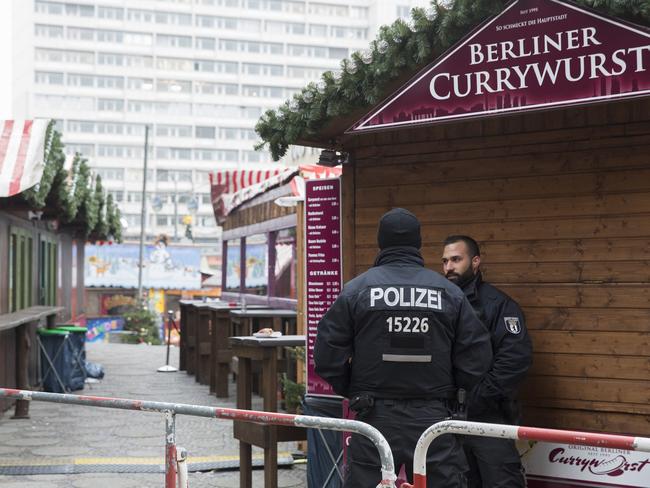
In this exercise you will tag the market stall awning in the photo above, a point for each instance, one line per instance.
(22, 154)
(246, 185)
(232, 188)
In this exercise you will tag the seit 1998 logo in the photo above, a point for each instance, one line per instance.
(597, 461)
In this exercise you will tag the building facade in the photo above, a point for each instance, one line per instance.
(198, 72)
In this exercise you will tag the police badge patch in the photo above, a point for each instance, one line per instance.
(512, 324)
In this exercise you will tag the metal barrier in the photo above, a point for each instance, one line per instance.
(175, 458)
(514, 432)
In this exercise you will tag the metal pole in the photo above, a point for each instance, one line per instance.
(143, 212)
(170, 450)
(270, 418)
(175, 207)
(514, 432)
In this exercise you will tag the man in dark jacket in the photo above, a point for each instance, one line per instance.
(494, 463)
(398, 341)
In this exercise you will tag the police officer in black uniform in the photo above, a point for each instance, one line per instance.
(398, 342)
(494, 463)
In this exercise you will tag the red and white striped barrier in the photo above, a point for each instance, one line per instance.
(514, 432)
(174, 458)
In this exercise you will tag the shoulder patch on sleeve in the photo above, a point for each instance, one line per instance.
(512, 324)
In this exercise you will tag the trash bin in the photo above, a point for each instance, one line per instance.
(56, 353)
(325, 447)
(77, 337)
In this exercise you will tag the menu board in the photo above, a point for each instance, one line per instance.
(323, 271)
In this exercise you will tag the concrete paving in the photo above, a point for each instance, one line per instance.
(57, 432)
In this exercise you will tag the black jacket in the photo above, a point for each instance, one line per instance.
(401, 331)
(511, 347)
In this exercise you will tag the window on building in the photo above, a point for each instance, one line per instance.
(79, 10)
(83, 81)
(174, 130)
(134, 196)
(138, 39)
(83, 126)
(118, 195)
(204, 154)
(203, 132)
(110, 105)
(110, 36)
(110, 59)
(110, 174)
(174, 86)
(48, 31)
(86, 150)
(50, 8)
(48, 78)
(165, 40)
(206, 43)
(318, 30)
(110, 13)
(110, 82)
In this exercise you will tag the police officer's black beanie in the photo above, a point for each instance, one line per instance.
(399, 227)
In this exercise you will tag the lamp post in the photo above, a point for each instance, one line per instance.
(143, 212)
(175, 206)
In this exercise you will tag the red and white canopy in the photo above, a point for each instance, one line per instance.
(22, 154)
(231, 188)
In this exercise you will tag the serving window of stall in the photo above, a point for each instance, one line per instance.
(284, 274)
(269, 263)
(256, 281)
(232, 265)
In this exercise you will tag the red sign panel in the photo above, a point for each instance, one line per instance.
(535, 54)
(322, 264)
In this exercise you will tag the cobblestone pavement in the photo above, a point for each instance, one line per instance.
(57, 431)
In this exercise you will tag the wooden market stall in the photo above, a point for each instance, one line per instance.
(44, 223)
(558, 197)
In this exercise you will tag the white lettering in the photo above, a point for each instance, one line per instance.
(589, 37)
(405, 297)
(432, 87)
(616, 58)
(422, 292)
(567, 69)
(375, 294)
(476, 54)
(391, 302)
(639, 56)
(546, 72)
(597, 65)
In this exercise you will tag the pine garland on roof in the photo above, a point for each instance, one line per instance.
(399, 48)
(69, 196)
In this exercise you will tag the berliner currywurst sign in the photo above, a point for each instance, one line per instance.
(536, 54)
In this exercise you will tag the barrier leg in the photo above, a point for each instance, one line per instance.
(181, 458)
(170, 450)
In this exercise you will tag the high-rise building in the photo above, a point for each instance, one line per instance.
(199, 73)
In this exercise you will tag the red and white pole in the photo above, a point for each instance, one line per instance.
(170, 410)
(514, 432)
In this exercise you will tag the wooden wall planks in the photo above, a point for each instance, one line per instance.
(560, 202)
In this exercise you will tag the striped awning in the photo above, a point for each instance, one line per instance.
(233, 180)
(22, 154)
(232, 188)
